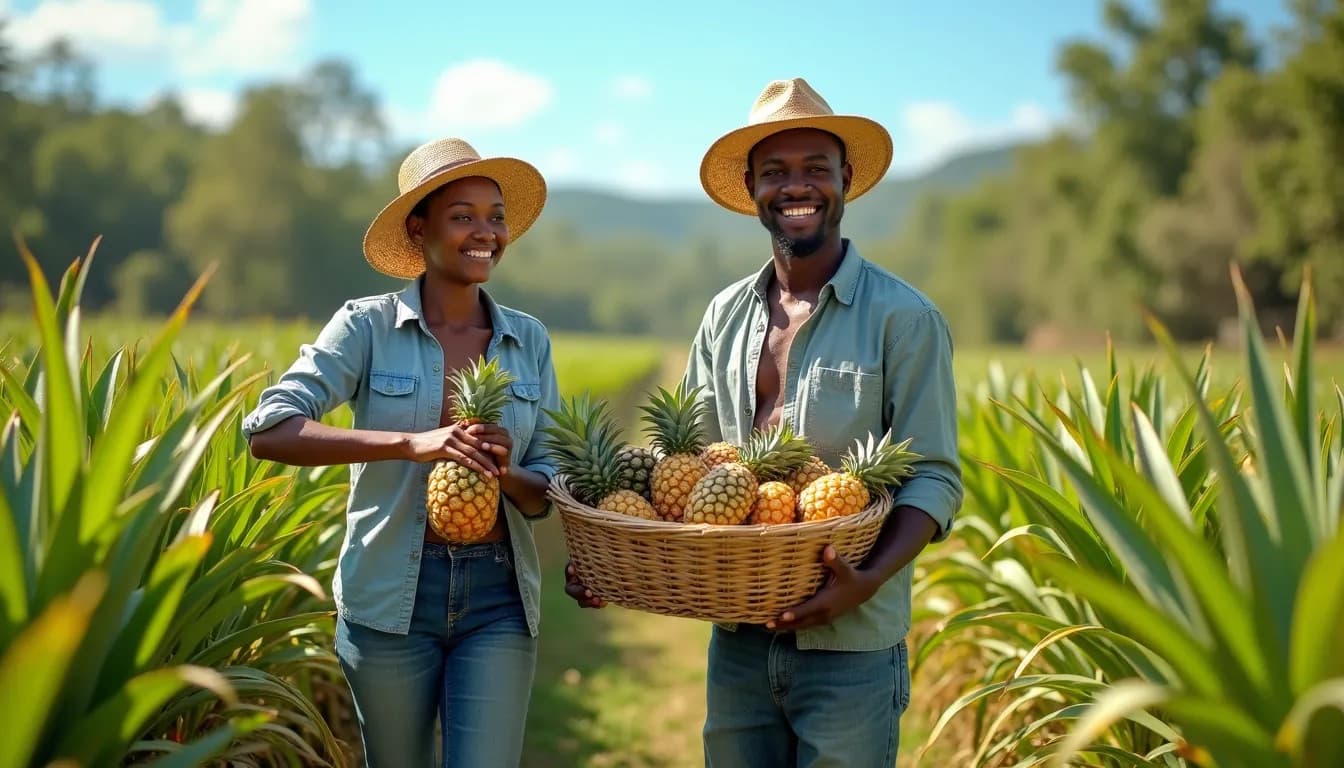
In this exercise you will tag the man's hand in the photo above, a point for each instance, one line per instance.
(575, 589)
(847, 589)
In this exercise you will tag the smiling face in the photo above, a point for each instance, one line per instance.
(460, 230)
(798, 179)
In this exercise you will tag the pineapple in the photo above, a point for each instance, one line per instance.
(634, 469)
(776, 503)
(729, 492)
(675, 430)
(865, 469)
(719, 453)
(462, 504)
(585, 442)
(803, 476)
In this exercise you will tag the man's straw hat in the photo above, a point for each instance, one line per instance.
(783, 105)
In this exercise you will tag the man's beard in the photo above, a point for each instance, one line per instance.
(802, 247)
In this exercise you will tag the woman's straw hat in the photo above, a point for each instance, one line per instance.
(387, 246)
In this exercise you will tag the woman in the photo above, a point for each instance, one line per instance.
(427, 626)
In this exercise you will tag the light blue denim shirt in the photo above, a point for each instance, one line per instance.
(875, 355)
(377, 354)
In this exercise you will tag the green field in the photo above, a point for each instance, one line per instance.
(621, 688)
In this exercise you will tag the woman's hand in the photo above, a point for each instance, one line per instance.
(482, 448)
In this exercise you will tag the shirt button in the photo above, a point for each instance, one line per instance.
(419, 518)
(746, 411)
(436, 367)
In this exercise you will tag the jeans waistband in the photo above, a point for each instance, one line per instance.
(439, 551)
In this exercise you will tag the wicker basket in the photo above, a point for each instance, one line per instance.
(726, 573)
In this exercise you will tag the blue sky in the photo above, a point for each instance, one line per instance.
(623, 95)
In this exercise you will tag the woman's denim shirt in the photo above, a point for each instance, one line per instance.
(377, 354)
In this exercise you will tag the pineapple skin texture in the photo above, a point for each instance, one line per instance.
(775, 504)
(627, 502)
(462, 505)
(832, 495)
(719, 453)
(723, 497)
(805, 475)
(673, 480)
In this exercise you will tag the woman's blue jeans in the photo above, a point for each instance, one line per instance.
(468, 658)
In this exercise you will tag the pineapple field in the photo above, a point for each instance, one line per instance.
(1146, 571)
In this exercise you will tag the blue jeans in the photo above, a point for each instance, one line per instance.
(468, 658)
(771, 704)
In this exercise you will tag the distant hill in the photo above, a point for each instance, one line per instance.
(878, 214)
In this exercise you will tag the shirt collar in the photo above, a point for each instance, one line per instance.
(409, 309)
(844, 283)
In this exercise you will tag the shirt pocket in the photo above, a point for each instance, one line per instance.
(526, 406)
(392, 400)
(842, 405)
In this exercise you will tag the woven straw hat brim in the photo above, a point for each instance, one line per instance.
(389, 249)
(868, 149)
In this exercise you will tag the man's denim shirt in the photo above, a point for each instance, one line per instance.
(875, 355)
(377, 354)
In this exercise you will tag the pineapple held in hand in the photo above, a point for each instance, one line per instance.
(865, 469)
(462, 504)
(674, 427)
(585, 441)
(730, 491)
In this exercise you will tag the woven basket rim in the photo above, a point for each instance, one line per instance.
(878, 504)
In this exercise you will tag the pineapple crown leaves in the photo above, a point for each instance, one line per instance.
(481, 390)
(775, 452)
(584, 439)
(675, 420)
(878, 463)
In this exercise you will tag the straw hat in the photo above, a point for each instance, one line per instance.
(430, 166)
(783, 105)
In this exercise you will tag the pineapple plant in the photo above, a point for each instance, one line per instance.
(720, 452)
(803, 476)
(674, 428)
(866, 468)
(461, 503)
(585, 443)
(634, 469)
(729, 492)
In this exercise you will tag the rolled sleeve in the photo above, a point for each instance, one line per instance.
(922, 405)
(326, 374)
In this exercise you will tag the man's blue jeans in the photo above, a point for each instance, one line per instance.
(469, 659)
(770, 704)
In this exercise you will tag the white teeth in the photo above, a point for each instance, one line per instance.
(480, 254)
(793, 212)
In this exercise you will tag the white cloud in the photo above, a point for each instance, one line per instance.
(609, 132)
(211, 107)
(483, 95)
(224, 36)
(631, 87)
(557, 163)
(935, 130)
(244, 36)
(106, 29)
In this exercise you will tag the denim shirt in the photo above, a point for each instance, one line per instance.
(377, 354)
(875, 355)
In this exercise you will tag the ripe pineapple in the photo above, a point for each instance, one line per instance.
(729, 492)
(803, 476)
(634, 469)
(585, 442)
(865, 469)
(675, 430)
(719, 453)
(776, 503)
(462, 504)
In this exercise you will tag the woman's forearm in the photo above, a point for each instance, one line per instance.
(526, 489)
(300, 441)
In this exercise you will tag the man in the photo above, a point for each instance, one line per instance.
(837, 347)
